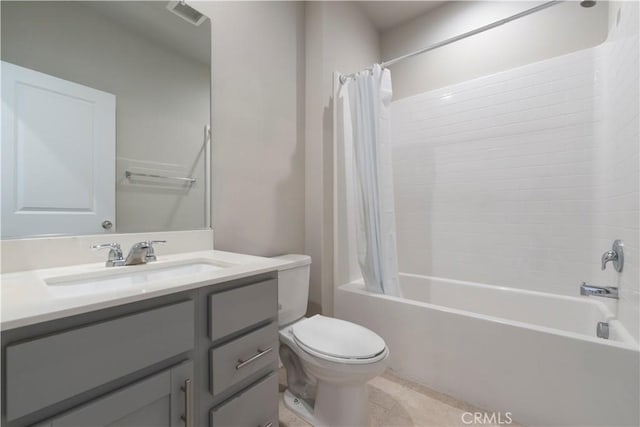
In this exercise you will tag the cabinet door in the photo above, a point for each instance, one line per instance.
(163, 399)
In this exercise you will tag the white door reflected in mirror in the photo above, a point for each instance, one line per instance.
(58, 155)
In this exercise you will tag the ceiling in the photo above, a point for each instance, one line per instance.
(388, 14)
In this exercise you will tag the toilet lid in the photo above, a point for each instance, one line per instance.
(338, 338)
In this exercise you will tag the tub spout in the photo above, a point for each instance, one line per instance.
(599, 291)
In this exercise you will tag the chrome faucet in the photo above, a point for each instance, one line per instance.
(599, 291)
(608, 256)
(115, 254)
(615, 255)
(142, 252)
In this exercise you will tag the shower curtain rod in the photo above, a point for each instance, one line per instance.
(345, 77)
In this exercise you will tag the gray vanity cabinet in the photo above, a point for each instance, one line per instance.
(48, 369)
(204, 357)
(161, 400)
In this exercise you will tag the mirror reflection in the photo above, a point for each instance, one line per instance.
(105, 117)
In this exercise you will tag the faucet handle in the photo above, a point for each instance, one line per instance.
(151, 255)
(115, 253)
(615, 255)
(608, 256)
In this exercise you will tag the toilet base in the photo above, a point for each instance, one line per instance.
(299, 407)
(336, 405)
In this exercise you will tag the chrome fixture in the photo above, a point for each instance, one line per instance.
(258, 355)
(602, 330)
(187, 179)
(345, 77)
(599, 291)
(587, 3)
(142, 252)
(615, 255)
(115, 254)
(187, 417)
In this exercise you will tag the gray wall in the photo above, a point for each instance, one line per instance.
(258, 126)
(272, 157)
(339, 37)
(162, 99)
(555, 31)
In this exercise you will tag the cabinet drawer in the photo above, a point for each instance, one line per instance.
(238, 308)
(243, 357)
(47, 370)
(256, 406)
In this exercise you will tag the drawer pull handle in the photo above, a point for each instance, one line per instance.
(258, 355)
(187, 388)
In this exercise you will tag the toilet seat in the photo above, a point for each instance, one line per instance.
(338, 340)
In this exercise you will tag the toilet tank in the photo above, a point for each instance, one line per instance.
(293, 287)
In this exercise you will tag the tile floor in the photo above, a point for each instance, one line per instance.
(395, 402)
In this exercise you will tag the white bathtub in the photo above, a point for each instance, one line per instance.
(532, 354)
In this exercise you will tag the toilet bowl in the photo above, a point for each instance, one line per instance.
(337, 358)
(328, 361)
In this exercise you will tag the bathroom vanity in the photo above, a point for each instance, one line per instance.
(112, 145)
(200, 350)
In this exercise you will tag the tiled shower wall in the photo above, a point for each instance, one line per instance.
(495, 177)
(524, 178)
(618, 160)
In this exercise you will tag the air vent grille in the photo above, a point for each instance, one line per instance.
(186, 12)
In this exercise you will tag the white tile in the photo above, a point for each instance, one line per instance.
(523, 178)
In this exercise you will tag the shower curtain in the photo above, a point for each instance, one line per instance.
(367, 110)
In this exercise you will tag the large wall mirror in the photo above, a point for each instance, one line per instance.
(105, 113)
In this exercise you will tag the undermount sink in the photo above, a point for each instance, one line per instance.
(120, 278)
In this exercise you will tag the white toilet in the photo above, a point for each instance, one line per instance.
(328, 361)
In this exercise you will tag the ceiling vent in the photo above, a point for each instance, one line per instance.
(186, 12)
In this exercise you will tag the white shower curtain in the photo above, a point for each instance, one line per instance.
(368, 108)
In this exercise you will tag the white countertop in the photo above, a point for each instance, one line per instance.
(26, 299)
